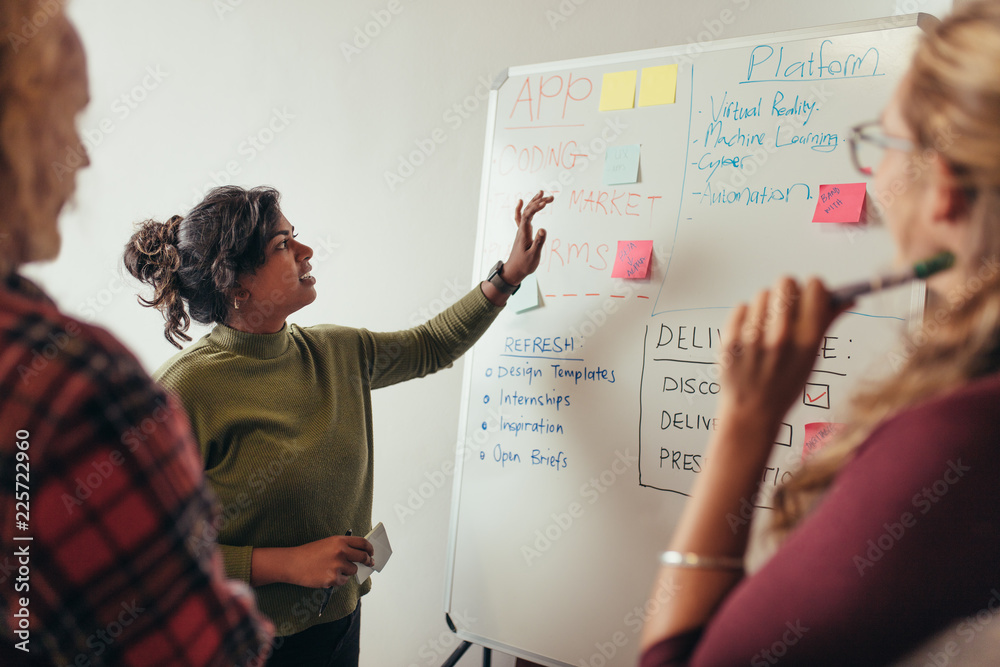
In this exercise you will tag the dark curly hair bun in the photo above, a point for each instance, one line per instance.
(152, 257)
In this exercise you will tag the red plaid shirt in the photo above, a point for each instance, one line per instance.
(106, 549)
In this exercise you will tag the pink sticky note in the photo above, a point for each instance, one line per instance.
(632, 260)
(817, 435)
(844, 202)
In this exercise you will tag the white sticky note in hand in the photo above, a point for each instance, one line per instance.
(380, 543)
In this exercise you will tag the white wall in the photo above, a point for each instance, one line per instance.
(224, 68)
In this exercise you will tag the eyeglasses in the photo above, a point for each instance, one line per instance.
(869, 141)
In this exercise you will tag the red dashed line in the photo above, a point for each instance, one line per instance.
(613, 296)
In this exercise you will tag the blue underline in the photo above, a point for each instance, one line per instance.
(825, 78)
(528, 356)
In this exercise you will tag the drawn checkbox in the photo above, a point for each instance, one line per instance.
(816, 395)
(784, 435)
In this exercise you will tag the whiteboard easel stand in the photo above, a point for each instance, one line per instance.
(460, 651)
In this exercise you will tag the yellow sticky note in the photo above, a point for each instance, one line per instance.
(658, 86)
(618, 91)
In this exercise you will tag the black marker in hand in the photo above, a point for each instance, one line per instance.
(329, 591)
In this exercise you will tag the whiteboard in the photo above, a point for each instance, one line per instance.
(584, 421)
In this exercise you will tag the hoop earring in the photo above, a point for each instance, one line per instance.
(236, 304)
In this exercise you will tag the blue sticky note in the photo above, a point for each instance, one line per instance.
(526, 297)
(621, 165)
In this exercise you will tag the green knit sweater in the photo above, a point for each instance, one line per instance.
(284, 422)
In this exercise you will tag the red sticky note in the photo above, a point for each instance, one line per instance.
(632, 260)
(844, 202)
(817, 435)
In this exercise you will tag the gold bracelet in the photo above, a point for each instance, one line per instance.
(689, 559)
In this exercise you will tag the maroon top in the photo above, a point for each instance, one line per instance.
(906, 542)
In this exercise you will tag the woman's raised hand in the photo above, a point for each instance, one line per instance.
(526, 251)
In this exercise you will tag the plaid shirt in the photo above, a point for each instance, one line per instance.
(107, 552)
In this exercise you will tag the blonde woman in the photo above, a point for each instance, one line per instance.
(891, 533)
(103, 559)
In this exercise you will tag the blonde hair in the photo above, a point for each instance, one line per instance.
(36, 41)
(951, 103)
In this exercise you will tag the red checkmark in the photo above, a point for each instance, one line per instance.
(813, 400)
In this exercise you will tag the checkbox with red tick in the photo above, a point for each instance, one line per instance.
(816, 395)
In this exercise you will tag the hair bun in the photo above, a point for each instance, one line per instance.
(151, 254)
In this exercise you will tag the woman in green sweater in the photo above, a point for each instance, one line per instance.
(283, 413)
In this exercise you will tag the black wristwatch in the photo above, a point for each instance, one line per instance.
(496, 279)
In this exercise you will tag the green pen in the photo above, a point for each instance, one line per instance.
(920, 270)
